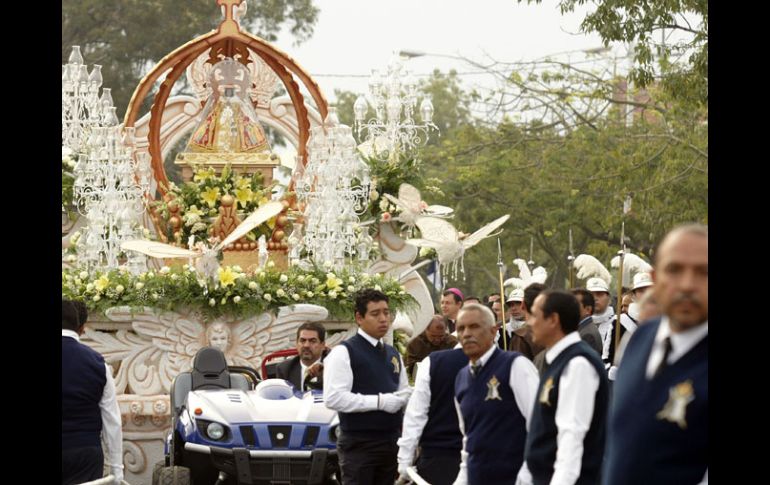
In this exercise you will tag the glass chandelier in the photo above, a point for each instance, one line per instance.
(334, 189)
(394, 99)
(82, 108)
(111, 183)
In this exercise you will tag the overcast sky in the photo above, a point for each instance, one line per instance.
(352, 37)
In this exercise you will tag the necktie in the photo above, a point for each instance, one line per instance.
(475, 369)
(666, 351)
(381, 348)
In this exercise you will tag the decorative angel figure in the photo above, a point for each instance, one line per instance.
(164, 343)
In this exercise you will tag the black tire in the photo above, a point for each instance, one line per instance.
(174, 475)
(156, 471)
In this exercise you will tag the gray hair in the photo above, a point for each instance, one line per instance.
(487, 317)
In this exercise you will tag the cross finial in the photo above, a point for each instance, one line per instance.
(229, 6)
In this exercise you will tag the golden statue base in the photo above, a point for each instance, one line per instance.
(240, 163)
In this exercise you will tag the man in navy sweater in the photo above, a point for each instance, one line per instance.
(494, 397)
(658, 427)
(565, 443)
(365, 382)
(430, 420)
(89, 406)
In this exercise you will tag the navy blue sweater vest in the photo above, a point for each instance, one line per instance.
(541, 440)
(658, 429)
(373, 373)
(441, 434)
(495, 428)
(82, 385)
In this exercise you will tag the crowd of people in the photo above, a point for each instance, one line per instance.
(545, 387)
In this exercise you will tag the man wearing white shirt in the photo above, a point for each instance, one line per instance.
(430, 420)
(658, 428)
(89, 406)
(365, 382)
(565, 443)
(305, 370)
(494, 397)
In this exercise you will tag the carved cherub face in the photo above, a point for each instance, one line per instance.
(218, 336)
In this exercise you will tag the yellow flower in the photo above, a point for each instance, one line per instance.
(193, 209)
(243, 195)
(210, 196)
(333, 282)
(227, 276)
(102, 283)
(203, 174)
(242, 183)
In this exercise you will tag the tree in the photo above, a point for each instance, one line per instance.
(128, 38)
(638, 22)
(576, 180)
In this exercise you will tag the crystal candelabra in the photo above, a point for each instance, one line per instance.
(394, 99)
(111, 183)
(334, 189)
(82, 108)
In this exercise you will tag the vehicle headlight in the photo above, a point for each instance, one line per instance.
(215, 431)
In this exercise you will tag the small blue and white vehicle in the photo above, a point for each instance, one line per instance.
(225, 432)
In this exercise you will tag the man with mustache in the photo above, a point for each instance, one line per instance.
(658, 427)
(494, 396)
(305, 370)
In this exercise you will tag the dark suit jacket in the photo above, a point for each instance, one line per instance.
(290, 370)
(590, 333)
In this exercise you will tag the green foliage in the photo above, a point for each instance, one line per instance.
(387, 176)
(234, 294)
(640, 22)
(554, 182)
(127, 37)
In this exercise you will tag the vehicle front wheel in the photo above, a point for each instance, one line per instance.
(174, 475)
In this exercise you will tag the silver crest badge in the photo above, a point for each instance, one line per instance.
(396, 367)
(492, 392)
(546, 391)
(675, 408)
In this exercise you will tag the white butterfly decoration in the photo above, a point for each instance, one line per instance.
(206, 258)
(444, 238)
(526, 277)
(412, 206)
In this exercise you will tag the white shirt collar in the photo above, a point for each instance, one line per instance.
(304, 367)
(681, 342)
(71, 334)
(484, 358)
(368, 337)
(558, 347)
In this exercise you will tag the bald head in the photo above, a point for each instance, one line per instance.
(681, 276)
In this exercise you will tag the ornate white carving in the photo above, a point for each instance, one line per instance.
(134, 458)
(395, 259)
(198, 76)
(164, 343)
(264, 82)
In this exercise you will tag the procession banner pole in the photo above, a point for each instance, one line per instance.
(500, 270)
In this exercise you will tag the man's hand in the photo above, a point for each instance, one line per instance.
(117, 472)
(390, 403)
(404, 393)
(315, 370)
